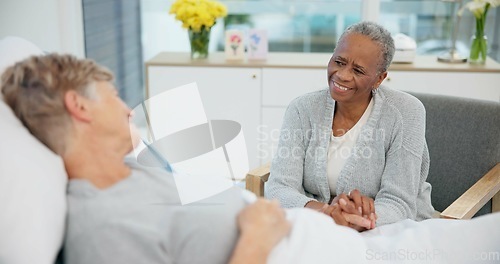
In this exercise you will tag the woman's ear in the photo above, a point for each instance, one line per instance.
(381, 78)
(77, 106)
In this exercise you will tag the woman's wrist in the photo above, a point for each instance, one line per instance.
(250, 250)
(315, 205)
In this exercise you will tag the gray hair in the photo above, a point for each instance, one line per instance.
(35, 89)
(377, 34)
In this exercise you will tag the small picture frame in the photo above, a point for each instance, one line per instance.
(234, 48)
(257, 44)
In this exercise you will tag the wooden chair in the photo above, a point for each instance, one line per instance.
(463, 136)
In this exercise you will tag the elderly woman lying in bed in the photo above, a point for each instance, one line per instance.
(122, 212)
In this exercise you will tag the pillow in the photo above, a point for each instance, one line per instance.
(32, 182)
(14, 49)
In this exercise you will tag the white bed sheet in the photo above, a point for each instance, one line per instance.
(316, 239)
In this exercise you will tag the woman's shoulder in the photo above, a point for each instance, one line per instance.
(402, 102)
(311, 100)
(405, 115)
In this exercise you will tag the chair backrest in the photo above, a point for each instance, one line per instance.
(463, 136)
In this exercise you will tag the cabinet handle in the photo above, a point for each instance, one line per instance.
(254, 76)
(388, 79)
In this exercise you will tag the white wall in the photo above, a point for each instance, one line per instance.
(53, 25)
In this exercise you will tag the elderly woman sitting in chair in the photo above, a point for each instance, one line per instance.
(357, 145)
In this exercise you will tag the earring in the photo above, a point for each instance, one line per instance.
(374, 91)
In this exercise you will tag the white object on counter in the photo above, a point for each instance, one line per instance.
(405, 49)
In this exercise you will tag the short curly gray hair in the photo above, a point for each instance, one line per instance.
(377, 34)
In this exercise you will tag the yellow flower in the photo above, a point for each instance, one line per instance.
(197, 14)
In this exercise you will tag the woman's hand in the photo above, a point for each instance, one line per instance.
(348, 216)
(353, 210)
(262, 225)
(353, 221)
(355, 204)
(363, 204)
(265, 222)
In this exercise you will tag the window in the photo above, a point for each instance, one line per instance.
(112, 38)
(431, 22)
(299, 26)
(315, 26)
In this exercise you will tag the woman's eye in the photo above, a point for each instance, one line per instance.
(358, 71)
(339, 63)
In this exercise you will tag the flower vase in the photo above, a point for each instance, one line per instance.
(199, 43)
(479, 45)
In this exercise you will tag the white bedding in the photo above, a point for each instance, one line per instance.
(316, 239)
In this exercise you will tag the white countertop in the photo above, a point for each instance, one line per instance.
(313, 61)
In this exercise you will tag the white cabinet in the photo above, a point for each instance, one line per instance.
(227, 93)
(269, 132)
(484, 86)
(281, 85)
(256, 93)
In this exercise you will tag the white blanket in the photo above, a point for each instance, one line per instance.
(316, 239)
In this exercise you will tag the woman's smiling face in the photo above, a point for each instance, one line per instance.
(354, 69)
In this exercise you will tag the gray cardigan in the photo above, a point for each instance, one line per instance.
(389, 161)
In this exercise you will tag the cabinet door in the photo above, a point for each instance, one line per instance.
(269, 132)
(227, 93)
(484, 86)
(280, 86)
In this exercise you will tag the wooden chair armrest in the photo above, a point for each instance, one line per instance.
(256, 178)
(476, 197)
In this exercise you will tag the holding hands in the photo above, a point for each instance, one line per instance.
(353, 210)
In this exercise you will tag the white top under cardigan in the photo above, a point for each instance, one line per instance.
(390, 161)
(341, 147)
